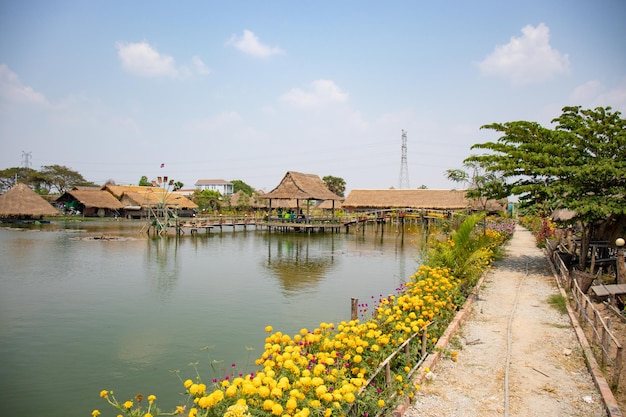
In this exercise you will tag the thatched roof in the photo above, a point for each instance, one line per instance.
(563, 215)
(93, 198)
(136, 195)
(298, 186)
(119, 190)
(21, 201)
(415, 199)
(256, 200)
(328, 204)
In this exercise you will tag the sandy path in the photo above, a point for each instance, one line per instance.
(547, 375)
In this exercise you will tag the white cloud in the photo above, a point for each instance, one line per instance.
(322, 92)
(12, 89)
(249, 44)
(142, 59)
(200, 66)
(527, 59)
(593, 94)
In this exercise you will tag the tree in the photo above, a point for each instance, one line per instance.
(207, 199)
(240, 185)
(143, 182)
(61, 178)
(335, 184)
(11, 176)
(580, 166)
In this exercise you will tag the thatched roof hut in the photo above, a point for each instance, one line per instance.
(22, 202)
(91, 201)
(452, 200)
(298, 186)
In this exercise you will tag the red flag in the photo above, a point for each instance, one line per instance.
(162, 165)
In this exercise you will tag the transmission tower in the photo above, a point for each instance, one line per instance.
(26, 159)
(404, 169)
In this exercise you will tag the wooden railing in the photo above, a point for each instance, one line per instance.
(603, 340)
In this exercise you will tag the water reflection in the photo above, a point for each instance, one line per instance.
(163, 265)
(297, 262)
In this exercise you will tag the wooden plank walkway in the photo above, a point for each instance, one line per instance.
(608, 290)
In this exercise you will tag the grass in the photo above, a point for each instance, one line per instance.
(558, 302)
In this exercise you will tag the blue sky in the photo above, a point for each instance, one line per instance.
(249, 90)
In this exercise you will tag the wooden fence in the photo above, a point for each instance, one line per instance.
(604, 342)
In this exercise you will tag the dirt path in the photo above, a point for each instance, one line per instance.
(547, 375)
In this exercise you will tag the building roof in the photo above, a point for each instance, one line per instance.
(212, 182)
(94, 198)
(414, 199)
(148, 196)
(22, 201)
(296, 185)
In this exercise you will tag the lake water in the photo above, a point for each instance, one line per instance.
(79, 314)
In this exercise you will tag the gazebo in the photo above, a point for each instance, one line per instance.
(20, 203)
(302, 187)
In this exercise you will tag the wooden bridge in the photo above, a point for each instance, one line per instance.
(311, 224)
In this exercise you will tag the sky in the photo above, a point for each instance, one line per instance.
(249, 90)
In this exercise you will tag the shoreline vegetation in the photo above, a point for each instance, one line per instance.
(353, 367)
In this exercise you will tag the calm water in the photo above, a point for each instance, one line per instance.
(78, 315)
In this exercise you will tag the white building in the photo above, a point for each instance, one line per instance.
(224, 187)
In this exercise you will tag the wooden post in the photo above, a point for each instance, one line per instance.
(605, 341)
(424, 342)
(618, 368)
(388, 374)
(354, 311)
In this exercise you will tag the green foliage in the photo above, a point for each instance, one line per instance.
(240, 185)
(580, 166)
(143, 182)
(207, 200)
(558, 302)
(335, 184)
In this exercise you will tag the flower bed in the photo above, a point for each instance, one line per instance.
(334, 369)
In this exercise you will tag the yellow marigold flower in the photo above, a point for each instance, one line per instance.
(381, 403)
(277, 409)
(147, 415)
(95, 413)
(128, 405)
(179, 409)
(187, 383)
(151, 398)
(104, 393)
(269, 329)
(268, 404)
(291, 404)
(357, 359)
(193, 412)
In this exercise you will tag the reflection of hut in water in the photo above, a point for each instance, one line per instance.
(22, 203)
(296, 267)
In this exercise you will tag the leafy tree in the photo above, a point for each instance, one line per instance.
(207, 200)
(580, 166)
(61, 178)
(11, 176)
(422, 187)
(335, 184)
(143, 182)
(178, 185)
(240, 185)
